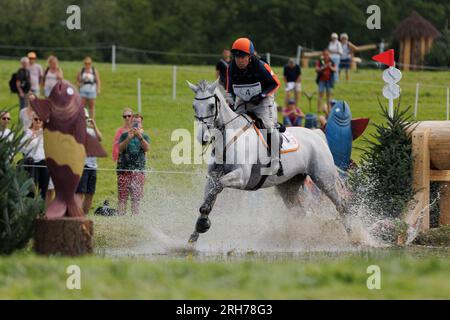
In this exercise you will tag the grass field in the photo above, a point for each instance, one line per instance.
(405, 274)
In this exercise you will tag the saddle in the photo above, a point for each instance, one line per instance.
(288, 143)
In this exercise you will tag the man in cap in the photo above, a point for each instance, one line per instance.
(335, 49)
(252, 84)
(36, 73)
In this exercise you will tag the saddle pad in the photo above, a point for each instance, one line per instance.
(290, 144)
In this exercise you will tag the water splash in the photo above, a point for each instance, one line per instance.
(242, 221)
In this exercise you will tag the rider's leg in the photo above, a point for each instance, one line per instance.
(267, 112)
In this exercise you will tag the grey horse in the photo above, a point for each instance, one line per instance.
(237, 160)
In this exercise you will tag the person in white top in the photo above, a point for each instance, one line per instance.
(335, 49)
(88, 80)
(36, 73)
(347, 54)
(26, 116)
(34, 155)
(52, 74)
(5, 132)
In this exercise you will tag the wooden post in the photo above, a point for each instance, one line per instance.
(305, 62)
(444, 205)
(63, 236)
(406, 54)
(422, 51)
(421, 179)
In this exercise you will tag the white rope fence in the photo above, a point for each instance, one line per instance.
(150, 171)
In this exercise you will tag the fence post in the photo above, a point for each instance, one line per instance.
(299, 54)
(448, 102)
(268, 58)
(113, 58)
(174, 83)
(139, 95)
(416, 102)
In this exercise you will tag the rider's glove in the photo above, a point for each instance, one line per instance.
(257, 99)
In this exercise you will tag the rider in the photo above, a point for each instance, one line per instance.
(251, 85)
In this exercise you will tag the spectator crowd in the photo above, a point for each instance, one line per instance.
(129, 148)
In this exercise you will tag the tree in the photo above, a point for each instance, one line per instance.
(18, 210)
(439, 54)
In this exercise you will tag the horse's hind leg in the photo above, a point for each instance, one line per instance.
(290, 189)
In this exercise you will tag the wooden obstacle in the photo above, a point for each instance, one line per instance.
(63, 236)
(431, 162)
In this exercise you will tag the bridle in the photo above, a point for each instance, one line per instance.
(217, 105)
(216, 111)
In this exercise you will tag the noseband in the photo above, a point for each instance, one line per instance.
(216, 111)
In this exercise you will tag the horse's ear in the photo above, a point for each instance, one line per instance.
(192, 86)
(213, 85)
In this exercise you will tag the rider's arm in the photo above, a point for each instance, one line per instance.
(271, 78)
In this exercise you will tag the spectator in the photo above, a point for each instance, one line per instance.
(325, 68)
(36, 74)
(88, 181)
(222, 66)
(88, 80)
(335, 49)
(292, 79)
(127, 115)
(35, 155)
(26, 116)
(132, 145)
(347, 54)
(292, 115)
(5, 118)
(52, 74)
(23, 82)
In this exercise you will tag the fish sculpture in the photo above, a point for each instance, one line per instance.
(341, 130)
(66, 145)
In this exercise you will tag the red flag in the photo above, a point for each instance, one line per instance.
(386, 57)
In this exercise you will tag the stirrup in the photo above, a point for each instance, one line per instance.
(280, 172)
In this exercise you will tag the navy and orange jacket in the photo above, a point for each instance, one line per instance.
(256, 71)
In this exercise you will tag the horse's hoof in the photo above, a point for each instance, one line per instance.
(203, 224)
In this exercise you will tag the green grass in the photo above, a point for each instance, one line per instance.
(25, 275)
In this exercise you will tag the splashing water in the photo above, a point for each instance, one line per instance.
(242, 221)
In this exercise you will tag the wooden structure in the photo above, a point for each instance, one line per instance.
(416, 36)
(63, 236)
(431, 162)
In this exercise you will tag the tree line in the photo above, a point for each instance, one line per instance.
(207, 26)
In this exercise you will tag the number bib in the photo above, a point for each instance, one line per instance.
(247, 91)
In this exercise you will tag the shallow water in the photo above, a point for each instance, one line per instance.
(246, 226)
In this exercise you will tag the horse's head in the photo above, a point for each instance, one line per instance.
(206, 108)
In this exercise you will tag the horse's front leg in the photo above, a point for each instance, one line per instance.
(214, 186)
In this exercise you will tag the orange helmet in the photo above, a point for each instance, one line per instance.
(243, 46)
